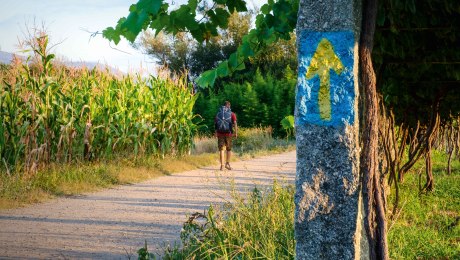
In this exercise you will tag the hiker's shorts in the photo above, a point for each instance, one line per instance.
(224, 141)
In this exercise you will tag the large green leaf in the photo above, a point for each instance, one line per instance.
(287, 122)
(265, 9)
(246, 49)
(238, 5)
(112, 34)
(149, 6)
(134, 25)
(222, 70)
(207, 78)
(219, 17)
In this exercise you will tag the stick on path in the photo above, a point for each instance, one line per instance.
(115, 223)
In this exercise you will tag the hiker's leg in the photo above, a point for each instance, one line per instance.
(221, 146)
(221, 155)
(229, 152)
(229, 156)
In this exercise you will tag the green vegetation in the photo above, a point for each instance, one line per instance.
(49, 117)
(276, 21)
(59, 179)
(66, 131)
(260, 101)
(77, 178)
(428, 224)
(249, 140)
(56, 114)
(260, 224)
(262, 93)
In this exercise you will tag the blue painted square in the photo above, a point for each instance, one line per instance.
(342, 88)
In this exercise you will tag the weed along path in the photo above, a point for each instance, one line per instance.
(115, 223)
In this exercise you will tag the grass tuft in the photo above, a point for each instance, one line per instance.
(252, 226)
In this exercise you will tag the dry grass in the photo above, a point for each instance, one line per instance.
(137, 174)
(69, 180)
(78, 178)
(32, 197)
(204, 144)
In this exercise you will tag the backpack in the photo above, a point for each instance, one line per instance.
(224, 120)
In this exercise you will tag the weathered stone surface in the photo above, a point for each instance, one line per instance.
(329, 15)
(327, 193)
(328, 219)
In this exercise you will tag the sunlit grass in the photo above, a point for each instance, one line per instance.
(428, 225)
(248, 227)
(77, 178)
(254, 225)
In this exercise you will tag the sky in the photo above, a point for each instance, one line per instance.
(69, 24)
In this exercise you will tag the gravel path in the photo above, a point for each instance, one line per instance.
(114, 223)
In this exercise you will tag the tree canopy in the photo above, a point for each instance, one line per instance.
(416, 52)
(276, 21)
(417, 58)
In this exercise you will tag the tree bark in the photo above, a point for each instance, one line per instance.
(450, 147)
(449, 162)
(375, 224)
(429, 185)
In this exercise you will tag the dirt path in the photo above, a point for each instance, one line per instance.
(114, 223)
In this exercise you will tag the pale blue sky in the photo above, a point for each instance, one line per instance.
(66, 22)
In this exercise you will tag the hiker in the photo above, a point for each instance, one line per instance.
(226, 127)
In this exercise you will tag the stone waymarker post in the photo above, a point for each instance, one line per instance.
(329, 211)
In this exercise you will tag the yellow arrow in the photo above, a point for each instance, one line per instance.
(321, 63)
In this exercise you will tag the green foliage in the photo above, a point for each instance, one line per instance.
(61, 115)
(249, 140)
(144, 254)
(276, 22)
(428, 225)
(288, 125)
(260, 225)
(154, 14)
(416, 56)
(270, 27)
(260, 101)
(80, 177)
(181, 52)
(255, 223)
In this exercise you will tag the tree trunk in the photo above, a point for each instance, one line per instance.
(429, 185)
(449, 162)
(450, 144)
(375, 224)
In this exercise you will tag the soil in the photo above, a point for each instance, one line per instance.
(115, 223)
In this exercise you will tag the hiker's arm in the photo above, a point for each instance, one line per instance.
(236, 129)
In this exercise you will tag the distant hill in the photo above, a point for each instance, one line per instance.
(6, 57)
(92, 65)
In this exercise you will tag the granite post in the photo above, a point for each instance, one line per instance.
(329, 208)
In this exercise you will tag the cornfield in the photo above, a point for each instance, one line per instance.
(56, 114)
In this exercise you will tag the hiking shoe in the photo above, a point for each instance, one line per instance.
(227, 165)
(221, 167)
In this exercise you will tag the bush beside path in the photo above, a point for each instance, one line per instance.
(115, 223)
